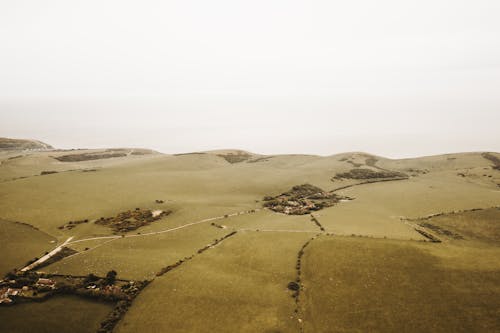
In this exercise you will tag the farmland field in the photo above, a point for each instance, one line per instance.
(380, 285)
(59, 314)
(417, 251)
(243, 280)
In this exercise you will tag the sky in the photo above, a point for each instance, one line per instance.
(389, 77)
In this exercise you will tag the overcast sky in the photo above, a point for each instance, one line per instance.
(391, 77)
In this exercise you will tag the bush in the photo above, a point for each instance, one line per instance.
(111, 277)
(293, 286)
(369, 174)
(91, 278)
(47, 172)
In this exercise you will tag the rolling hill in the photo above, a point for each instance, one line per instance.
(353, 242)
(22, 144)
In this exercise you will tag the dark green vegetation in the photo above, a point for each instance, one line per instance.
(37, 286)
(72, 224)
(223, 262)
(25, 287)
(260, 159)
(440, 230)
(132, 219)
(87, 157)
(43, 173)
(494, 159)
(193, 153)
(65, 252)
(301, 199)
(237, 157)
(475, 224)
(124, 221)
(369, 174)
(99, 155)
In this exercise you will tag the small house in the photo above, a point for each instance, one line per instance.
(45, 282)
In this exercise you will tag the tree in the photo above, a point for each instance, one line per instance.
(91, 278)
(293, 286)
(11, 275)
(111, 277)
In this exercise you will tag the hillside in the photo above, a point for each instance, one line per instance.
(22, 144)
(15, 164)
(232, 241)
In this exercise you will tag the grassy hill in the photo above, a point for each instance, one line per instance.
(22, 144)
(391, 245)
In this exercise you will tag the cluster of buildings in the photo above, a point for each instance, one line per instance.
(8, 293)
(43, 282)
(292, 207)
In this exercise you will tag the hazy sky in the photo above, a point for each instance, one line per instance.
(390, 77)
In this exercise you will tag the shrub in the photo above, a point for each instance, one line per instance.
(111, 277)
(369, 174)
(293, 286)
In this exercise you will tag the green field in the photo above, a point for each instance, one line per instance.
(138, 258)
(369, 270)
(59, 314)
(240, 285)
(377, 285)
(20, 243)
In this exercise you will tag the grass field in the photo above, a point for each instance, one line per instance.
(240, 285)
(59, 314)
(266, 220)
(378, 207)
(138, 258)
(379, 285)
(20, 243)
(390, 279)
(478, 225)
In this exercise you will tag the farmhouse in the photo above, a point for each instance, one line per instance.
(45, 282)
(7, 293)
